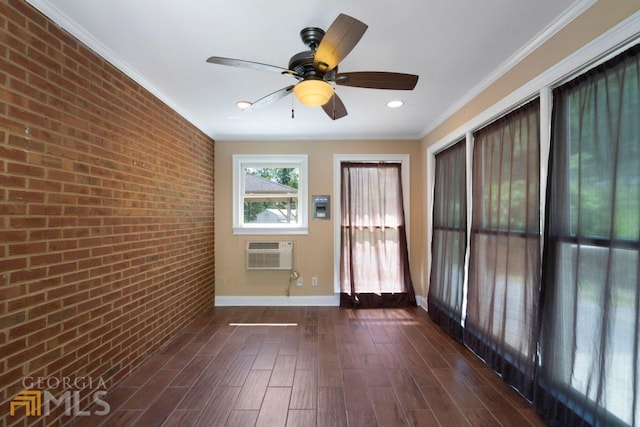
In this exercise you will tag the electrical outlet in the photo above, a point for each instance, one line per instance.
(314, 281)
(299, 281)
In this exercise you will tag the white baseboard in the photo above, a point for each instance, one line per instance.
(422, 302)
(314, 300)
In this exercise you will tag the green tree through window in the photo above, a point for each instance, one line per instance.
(273, 194)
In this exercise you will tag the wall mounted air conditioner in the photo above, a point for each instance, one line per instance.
(270, 255)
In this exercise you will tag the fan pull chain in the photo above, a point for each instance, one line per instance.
(293, 116)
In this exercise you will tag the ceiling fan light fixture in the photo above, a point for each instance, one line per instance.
(313, 92)
(243, 105)
(395, 104)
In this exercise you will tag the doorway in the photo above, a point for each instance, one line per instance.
(373, 259)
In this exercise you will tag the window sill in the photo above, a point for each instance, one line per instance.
(262, 231)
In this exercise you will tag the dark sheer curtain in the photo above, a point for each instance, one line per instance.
(449, 240)
(589, 352)
(374, 257)
(504, 268)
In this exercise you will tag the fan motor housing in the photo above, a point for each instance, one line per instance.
(302, 63)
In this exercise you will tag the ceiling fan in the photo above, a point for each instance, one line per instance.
(317, 67)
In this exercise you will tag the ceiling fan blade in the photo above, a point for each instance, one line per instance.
(341, 37)
(377, 80)
(335, 109)
(270, 98)
(249, 64)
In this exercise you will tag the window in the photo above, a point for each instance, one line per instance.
(585, 333)
(270, 194)
(449, 242)
(591, 272)
(504, 264)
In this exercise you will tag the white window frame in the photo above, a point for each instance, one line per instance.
(242, 161)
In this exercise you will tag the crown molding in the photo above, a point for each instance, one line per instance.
(549, 31)
(619, 38)
(52, 12)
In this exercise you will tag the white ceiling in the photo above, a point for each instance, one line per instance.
(457, 47)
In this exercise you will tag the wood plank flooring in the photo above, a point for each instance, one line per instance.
(335, 367)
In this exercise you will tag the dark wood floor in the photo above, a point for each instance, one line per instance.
(336, 367)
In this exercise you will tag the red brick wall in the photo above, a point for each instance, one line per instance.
(106, 213)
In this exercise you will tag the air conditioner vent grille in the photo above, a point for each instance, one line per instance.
(269, 255)
(263, 261)
(264, 245)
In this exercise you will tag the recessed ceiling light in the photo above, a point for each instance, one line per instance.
(395, 104)
(243, 105)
